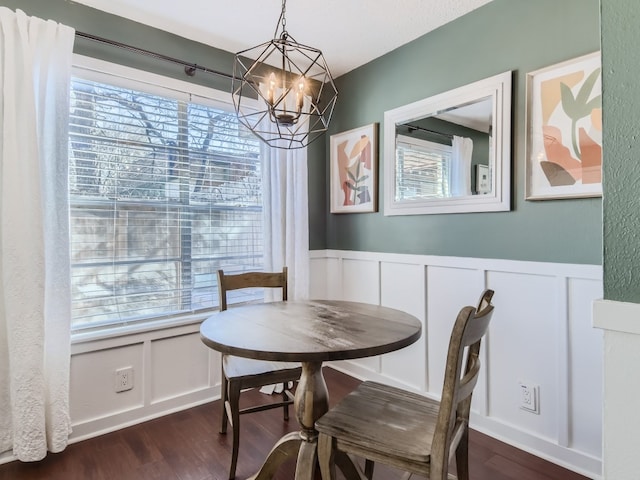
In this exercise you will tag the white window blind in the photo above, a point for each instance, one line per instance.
(163, 193)
(422, 169)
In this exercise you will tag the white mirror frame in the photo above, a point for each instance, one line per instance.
(498, 88)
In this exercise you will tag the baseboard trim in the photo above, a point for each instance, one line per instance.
(540, 447)
(111, 423)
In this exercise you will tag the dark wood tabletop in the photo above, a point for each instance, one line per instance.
(311, 331)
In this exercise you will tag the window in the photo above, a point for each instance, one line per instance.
(165, 189)
(422, 169)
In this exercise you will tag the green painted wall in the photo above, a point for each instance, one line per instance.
(520, 35)
(621, 143)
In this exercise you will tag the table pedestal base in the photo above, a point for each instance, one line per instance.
(291, 445)
(311, 402)
(286, 447)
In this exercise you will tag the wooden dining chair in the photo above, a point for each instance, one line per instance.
(405, 430)
(243, 373)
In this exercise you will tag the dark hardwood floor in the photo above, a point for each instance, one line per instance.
(186, 446)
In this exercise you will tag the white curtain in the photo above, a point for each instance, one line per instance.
(35, 68)
(286, 216)
(462, 149)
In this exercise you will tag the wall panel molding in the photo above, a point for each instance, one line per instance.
(541, 332)
(173, 371)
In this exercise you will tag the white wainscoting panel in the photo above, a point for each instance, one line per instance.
(524, 345)
(173, 370)
(94, 374)
(180, 364)
(541, 333)
(318, 277)
(360, 281)
(402, 287)
(586, 364)
(449, 289)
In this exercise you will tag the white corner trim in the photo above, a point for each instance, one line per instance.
(617, 316)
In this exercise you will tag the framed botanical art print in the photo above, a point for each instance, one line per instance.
(564, 130)
(353, 170)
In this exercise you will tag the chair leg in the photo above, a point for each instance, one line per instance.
(368, 468)
(234, 404)
(285, 398)
(325, 457)
(462, 456)
(224, 396)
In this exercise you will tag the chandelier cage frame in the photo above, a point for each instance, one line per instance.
(293, 85)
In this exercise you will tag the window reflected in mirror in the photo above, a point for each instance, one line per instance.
(422, 169)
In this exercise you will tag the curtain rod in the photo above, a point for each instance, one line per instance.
(189, 68)
(415, 127)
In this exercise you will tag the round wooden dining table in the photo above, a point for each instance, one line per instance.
(310, 332)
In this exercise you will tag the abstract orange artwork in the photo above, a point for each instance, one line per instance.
(353, 169)
(564, 130)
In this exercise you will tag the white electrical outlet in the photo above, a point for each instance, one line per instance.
(123, 379)
(529, 397)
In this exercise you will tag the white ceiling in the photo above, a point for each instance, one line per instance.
(350, 33)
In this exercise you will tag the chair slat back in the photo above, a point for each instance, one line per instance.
(476, 328)
(485, 300)
(470, 378)
(464, 347)
(250, 280)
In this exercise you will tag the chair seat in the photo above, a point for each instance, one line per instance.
(240, 368)
(396, 423)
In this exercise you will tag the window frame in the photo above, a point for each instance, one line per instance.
(93, 69)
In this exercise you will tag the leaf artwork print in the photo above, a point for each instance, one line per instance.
(564, 130)
(354, 166)
(572, 115)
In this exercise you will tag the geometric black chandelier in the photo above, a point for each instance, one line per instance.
(294, 89)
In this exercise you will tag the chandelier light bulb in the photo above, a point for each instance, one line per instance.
(300, 94)
(272, 88)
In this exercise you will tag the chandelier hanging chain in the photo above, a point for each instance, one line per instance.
(284, 34)
(282, 21)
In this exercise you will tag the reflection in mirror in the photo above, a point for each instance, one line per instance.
(451, 152)
(438, 156)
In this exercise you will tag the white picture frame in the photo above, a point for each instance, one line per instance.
(564, 130)
(353, 164)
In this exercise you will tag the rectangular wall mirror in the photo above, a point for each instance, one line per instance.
(450, 153)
